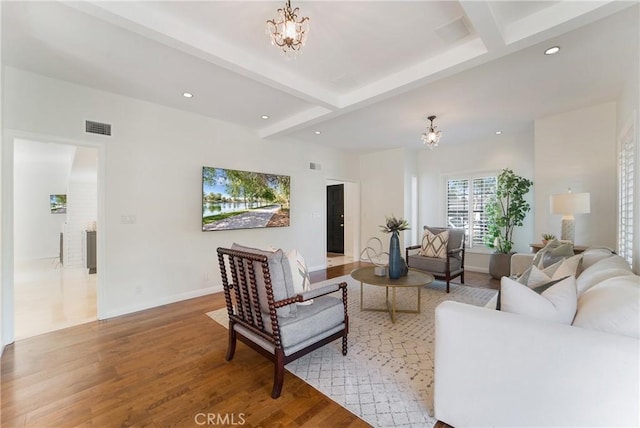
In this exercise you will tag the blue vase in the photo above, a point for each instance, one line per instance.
(395, 259)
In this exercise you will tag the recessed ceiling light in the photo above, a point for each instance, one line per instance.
(552, 50)
(317, 132)
(187, 95)
(498, 132)
(264, 117)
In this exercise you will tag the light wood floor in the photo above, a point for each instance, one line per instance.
(48, 297)
(160, 367)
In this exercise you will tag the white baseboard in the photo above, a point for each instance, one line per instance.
(162, 301)
(476, 269)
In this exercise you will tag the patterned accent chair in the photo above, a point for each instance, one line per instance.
(446, 268)
(263, 311)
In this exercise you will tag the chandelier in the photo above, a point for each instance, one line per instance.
(431, 136)
(287, 31)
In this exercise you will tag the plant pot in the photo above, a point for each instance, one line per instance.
(500, 265)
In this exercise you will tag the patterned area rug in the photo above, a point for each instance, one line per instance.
(387, 376)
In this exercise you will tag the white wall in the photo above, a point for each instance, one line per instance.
(577, 149)
(352, 219)
(36, 229)
(382, 193)
(153, 172)
(410, 171)
(2, 217)
(486, 155)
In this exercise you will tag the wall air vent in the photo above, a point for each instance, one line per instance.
(97, 128)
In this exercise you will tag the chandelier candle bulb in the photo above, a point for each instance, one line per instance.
(287, 31)
(431, 136)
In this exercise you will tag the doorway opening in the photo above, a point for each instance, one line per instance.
(342, 223)
(55, 193)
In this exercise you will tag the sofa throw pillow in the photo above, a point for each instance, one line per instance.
(558, 301)
(434, 245)
(281, 280)
(539, 282)
(535, 276)
(299, 274)
(553, 252)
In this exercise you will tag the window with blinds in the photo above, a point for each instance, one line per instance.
(466, 200)
(626, 173)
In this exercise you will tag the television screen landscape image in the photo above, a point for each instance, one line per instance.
(58, 204)
(233, 199)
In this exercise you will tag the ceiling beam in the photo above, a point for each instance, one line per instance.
(484, 22)
(142, 19)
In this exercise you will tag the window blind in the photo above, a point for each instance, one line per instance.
(626, 173)
(466, 200)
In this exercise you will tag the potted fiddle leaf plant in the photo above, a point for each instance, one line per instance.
(506, 210)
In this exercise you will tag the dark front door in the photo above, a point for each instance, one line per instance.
(335, 218)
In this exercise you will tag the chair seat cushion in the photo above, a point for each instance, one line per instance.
(325, 313)
(432, 264)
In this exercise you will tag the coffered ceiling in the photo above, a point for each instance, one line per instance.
(369, 75)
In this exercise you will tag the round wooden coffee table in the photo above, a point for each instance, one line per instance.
(414, 278)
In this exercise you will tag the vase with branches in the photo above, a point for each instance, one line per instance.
(394, 226)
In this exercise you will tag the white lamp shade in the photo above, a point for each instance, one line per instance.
(570, 203)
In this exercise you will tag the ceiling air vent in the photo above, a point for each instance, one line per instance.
(97, 128)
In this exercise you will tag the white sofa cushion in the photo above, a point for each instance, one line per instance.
(612, 306)
(603, 269)
(557, 303)
(592, 255)
(516, 371)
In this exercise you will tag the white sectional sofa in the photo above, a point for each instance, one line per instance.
(494, 368)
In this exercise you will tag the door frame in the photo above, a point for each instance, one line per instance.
(7, 213)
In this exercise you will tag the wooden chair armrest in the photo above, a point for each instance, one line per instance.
(406, 251)
(457, 250)
(321, 291)
(311, 294)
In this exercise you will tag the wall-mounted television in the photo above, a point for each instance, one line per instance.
(58, 204)
(233, 199)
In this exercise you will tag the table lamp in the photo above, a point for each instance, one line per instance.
(568, 204)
